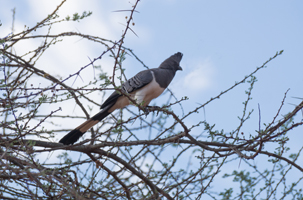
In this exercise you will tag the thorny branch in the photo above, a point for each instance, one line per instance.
(127, 156)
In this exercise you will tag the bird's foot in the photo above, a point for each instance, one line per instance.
(148, 109)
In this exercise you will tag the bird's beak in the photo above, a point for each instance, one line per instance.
(180, 68)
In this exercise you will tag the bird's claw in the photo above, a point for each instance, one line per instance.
(148, 109)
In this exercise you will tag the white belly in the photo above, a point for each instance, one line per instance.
(148, 92)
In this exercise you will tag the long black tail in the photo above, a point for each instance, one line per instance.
(75, 134)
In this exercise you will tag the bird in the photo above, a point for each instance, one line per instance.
(142, 88)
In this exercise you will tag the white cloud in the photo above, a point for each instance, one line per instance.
(200, 76)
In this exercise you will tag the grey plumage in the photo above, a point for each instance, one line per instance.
(143, 87)
(138, 81)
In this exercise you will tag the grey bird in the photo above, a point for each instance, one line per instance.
(143, 87)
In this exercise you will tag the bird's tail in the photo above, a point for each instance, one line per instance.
(75, 134)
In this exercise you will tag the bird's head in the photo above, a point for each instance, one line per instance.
(172, 62)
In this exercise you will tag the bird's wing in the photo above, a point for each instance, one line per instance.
(135, 83)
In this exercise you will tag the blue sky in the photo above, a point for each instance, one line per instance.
(222, 41)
